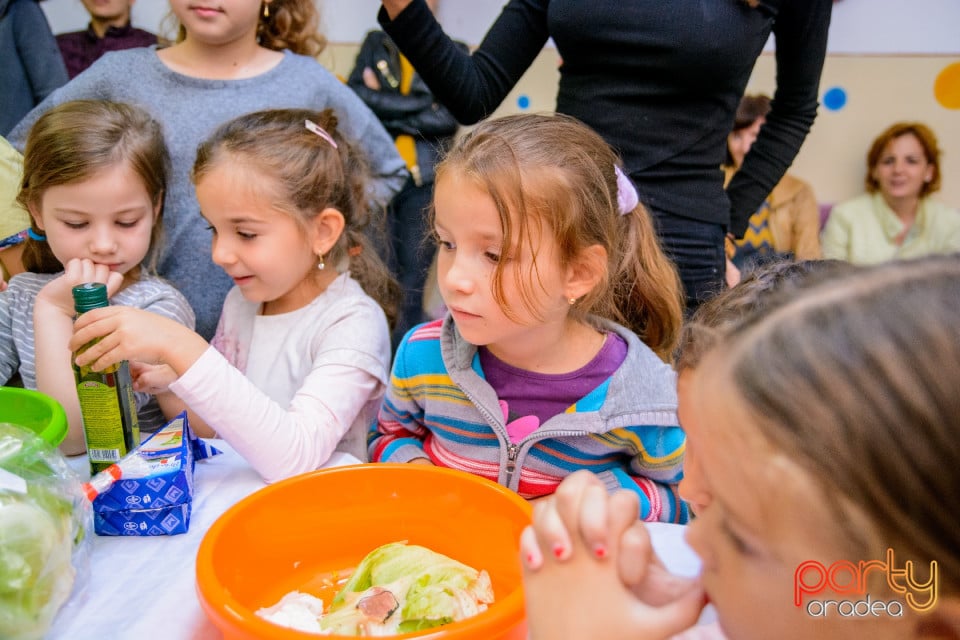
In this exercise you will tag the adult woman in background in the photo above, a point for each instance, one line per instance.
(660, 82)
(788, 221)
(896, 217)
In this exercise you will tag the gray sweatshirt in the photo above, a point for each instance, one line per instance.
(189, 109)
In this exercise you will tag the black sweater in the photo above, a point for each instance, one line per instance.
(660, 81)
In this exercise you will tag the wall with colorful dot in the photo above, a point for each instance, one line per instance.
(888, 60)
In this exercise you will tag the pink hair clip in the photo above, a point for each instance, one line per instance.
(627, 198)
(320, 131)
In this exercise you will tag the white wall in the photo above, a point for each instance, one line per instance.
(859, 26)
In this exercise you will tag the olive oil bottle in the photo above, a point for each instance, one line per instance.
(107, 405)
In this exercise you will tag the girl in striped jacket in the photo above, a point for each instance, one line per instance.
(550, 269)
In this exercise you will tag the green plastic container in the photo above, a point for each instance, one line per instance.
(34, 410)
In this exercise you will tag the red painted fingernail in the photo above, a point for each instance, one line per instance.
(600, 551)
(558, 550)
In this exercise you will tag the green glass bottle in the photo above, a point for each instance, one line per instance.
(110, 426)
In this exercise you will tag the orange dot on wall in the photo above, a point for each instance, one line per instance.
(946, 88)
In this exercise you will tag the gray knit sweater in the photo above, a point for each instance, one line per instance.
(189, 110)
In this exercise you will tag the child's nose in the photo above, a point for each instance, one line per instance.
(459, 276)
(221, 253)
(692, 488)
(103, 242)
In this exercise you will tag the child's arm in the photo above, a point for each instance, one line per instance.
(585, 542)
(281, 441)
(397, 435)
(155, 379)
(53, 314)
(654, 472)
(278, 441)
(127, 333)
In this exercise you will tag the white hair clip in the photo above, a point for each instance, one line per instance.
(320, 131)
(627, 198)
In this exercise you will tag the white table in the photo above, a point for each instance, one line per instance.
(145, 587)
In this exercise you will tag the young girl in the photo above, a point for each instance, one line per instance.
(548, 266)
(94, 178)
(826, 430)
(234, 57)
(302, 352)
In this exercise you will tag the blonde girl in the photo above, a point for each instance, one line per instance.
(826, 433)
(550, 270)
(94, 176)
(234, 57)
(301, 355)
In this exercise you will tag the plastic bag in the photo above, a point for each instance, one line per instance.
(45, 531)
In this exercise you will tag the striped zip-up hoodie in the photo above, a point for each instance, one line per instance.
(439, 406)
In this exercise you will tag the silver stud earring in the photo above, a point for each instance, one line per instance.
(572, 301)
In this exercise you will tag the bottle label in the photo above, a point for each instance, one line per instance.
(102, 424)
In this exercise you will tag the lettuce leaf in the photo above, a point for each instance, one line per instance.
(39, 530)
(398, 588)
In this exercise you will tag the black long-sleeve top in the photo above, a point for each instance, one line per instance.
(660, 81)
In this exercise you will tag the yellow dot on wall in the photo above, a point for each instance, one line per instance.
(946, 88)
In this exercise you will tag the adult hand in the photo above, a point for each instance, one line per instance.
(732, 275)
(585, 543)
(58, 293)
(370, 79)
(394, 7)
(132, 334)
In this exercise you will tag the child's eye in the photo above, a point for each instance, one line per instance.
(738, 543)
(492, 256)
(446, 245)
(128, 224)
(74, 225)
(246, 235)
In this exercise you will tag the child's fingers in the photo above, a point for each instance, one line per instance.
(552, 533)
(635, 555)
(113, 281)
(681, 613)
(578, 508)
(531, 555)
(592, 522)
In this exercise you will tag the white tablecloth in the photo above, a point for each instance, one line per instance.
(145, 587)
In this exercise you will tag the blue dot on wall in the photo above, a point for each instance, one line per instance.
(835, 98)
(523, 102)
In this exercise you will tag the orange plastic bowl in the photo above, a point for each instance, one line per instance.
(307, 532)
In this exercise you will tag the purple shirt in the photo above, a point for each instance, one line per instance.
(81, 48)
(529, 399)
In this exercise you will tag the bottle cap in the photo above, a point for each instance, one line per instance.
(89, 295)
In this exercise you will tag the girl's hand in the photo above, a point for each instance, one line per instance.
(58, 293)
(585, 543)
(394, 7)
(152, 378)
(132, 334)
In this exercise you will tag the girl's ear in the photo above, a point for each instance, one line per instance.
(157, 208)
(35, 215)
(585, 271)
(943, 623)
(326, 227)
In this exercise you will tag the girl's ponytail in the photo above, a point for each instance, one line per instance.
(372, 274)
(647, 290)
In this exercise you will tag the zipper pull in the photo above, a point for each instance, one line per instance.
(384, 69)
(512, 451)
